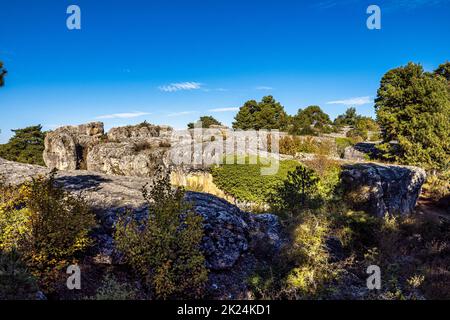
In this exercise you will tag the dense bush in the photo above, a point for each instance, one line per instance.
(297, 193)
(26, 146)
(245, 182)
(112, 289)
(16, 283)
(165, 248)
(47, 225)
(291, 145)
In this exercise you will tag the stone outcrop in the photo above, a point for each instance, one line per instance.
(66, 148)
(382, 189)
(235, 241)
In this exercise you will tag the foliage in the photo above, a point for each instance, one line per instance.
(47, 225)
(26, 146)
(2, 74)
(267, 114)
(307, 253)
(245, 182)
(297, 193)
(328, 171)
(206, 122)
(413, 109)
(310, 121)
(341, 144)
(112, 289)
(16, 283)
(347, 119)
(165, 248)
(444, 70)
(291, 145)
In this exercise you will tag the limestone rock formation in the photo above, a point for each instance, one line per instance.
(383, 189)
(66, 147)
(235, 241)
(139, 133)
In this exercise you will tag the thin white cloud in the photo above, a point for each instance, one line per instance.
(181, 113)
(127, 115)
(358, 101)
(224, 109)
(173, 87)
(266, 88)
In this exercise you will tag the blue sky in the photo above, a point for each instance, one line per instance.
(168, 62)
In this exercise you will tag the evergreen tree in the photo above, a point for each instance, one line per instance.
(2, 74)
(267, 114)
(413, 109)
(206, 121)
(26, 146)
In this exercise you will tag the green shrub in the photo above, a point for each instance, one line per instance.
(245, 182)
(16, 283)
(297, 193)
(165, 248)
(341, 144)
(112, 289)
(47, 225)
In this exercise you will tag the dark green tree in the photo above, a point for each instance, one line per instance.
(348, 118)
(206, 122)
(413, 110)
(310, 121)
(444, 70)
(267, 114)
(298, 192)
(26, 146)
(2, 74)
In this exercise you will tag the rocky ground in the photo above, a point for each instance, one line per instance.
(233, 239)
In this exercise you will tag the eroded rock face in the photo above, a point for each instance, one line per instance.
(128, 159)
(235, 241)
(383, 189)
(138, 133)
(66, 148)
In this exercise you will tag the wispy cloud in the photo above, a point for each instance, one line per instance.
(224, 109)
(127, 115)
(265, 88)
(358, 101)
(173, 87)
(181, 113)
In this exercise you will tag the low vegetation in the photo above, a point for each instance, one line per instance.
(164, 249)
(47, 226)
(245, 182)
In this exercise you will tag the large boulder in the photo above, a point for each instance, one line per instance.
(143, 159)
(67, 147)
(382, 189)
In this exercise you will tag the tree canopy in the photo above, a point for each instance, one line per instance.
(26, 146)
(311, 120)
(267, 114)
(348, 118)
(2, 74)
(444, 70)
(206, 122)
(413, 109)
